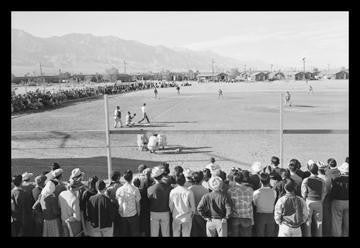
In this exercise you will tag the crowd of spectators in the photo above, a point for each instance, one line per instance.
(38, 99)
(263, 201)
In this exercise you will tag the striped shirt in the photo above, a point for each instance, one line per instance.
(242, 197)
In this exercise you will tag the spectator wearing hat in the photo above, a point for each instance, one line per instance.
(111, 193)
(264, 202)
(313, 190)
(56, 178)
(69, 205)
(144, 182)
(50, 210)
(241, 218)
(101, 212)
(290, 212)
(84, 199)
(27, 185)
(19, 213)
(333, 172)
(158, 195)
(327, 200)
(37, 212)
(198, 227)
(293, 167)
(215, 208)
(212, 166)
(340, 203)
(49, 174)
(182, 206)
(128, 197)
(207, 176)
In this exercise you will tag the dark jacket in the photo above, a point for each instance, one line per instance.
(314, 186)
(158, 195)
(101, 211)
(50, 207)
(215, 205)
(83, 201)
(340, 188)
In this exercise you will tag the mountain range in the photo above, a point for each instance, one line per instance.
(87, 53)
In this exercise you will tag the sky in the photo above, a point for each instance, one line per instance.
(278, 38)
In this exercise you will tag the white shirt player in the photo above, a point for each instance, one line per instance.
(143, 110)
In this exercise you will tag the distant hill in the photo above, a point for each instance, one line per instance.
(87, 53)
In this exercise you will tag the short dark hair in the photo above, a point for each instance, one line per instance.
(100, 185)
(313, 168)
(180, 179)
(264, 178)
(275, 160)
(347, 159)
(178, 169)
(166, 168)
(332, 162)
(292, 166)
(128, 175)
(238, 177)
(290, 186)
(246, 175)
(212, 160)
(137, 182)
(115, 176)
(197, 177)
(296, 163)
(207, 174)
(17, 180)
(55, 166)
(92, 182)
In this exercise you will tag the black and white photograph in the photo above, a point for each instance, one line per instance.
(179, 124)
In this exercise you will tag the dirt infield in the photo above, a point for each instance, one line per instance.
(244, 106)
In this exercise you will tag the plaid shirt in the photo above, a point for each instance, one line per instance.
(241, 197)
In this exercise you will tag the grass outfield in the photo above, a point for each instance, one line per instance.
(244, 106)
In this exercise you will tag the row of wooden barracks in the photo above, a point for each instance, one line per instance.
(187, 76)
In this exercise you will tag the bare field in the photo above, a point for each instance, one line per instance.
(244, 106)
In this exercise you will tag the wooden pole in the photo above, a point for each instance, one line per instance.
(281, 130)
(107, 132)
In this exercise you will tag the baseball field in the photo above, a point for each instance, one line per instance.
(228, 129)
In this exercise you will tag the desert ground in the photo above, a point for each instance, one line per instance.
(245, 106)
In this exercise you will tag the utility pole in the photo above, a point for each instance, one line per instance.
(125, 66)
(40, 70)
(212, 67)
(271, 67)
(304, 68)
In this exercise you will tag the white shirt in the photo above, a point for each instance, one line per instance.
(152, 141)
(264, 200)
(182, 204)
(143, 109)
(127, 196)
